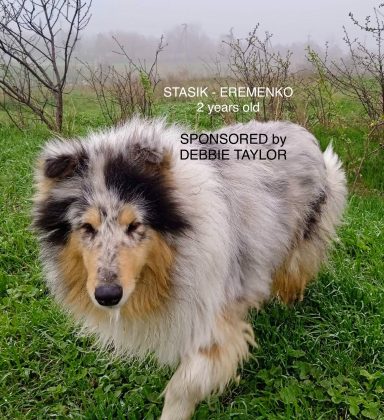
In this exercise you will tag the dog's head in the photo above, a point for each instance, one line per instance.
(105, 217)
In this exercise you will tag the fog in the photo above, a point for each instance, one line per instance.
(194, 30)
(290, 21)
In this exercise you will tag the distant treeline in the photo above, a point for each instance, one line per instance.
(188, 49)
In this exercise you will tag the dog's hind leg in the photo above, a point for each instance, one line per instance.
(309, 249)
(300, 266)
(207, 371)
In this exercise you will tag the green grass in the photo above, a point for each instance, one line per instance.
(320, 359)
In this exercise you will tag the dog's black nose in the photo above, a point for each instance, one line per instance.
(108, 294)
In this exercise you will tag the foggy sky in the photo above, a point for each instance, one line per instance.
(289, 20)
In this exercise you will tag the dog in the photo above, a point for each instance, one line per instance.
(154, 254)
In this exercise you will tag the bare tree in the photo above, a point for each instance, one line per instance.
(124, 91)
(253, 62)
(37, 40)
(318, 91)
(360, 74)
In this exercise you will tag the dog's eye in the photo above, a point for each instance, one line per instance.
(132, 227)
(88, 228)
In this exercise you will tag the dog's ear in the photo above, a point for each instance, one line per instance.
(64, 164)
(60, 166)
(154, 159)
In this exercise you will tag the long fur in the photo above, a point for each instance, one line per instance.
(222, 237)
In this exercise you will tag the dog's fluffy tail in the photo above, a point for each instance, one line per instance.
(306, 257)
(336, 191)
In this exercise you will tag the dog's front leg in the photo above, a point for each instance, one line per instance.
(207, 371)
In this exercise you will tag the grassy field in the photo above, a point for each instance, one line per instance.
(320, 359)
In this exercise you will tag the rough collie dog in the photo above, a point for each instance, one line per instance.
(158, 255)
